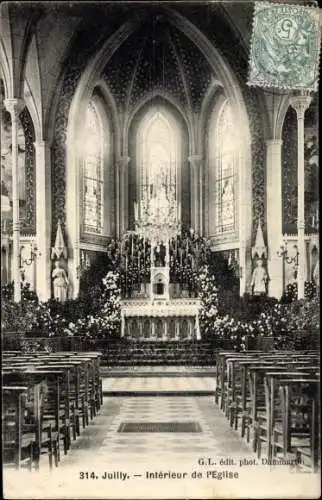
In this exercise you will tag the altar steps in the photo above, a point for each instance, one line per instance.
(158, 353)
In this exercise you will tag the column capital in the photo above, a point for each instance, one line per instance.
(195, 160)
(41, 144)
(14, 106)
(123, 161)
(300, 103)
(274, 142)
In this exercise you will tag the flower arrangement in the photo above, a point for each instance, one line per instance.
(238, 321)
(290, 294)
(70, 319)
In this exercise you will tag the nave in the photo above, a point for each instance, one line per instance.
(170, 420)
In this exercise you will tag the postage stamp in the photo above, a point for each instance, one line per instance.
(285, 46)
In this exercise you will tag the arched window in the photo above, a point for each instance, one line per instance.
(6, 171)
(93, 173)
(222, 162)
(158, 155)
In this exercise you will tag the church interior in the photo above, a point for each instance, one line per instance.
(159, 241)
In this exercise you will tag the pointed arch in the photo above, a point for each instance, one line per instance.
(93, 174)
(158, 147)
(224, 171)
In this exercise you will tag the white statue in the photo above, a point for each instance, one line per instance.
(60, 282)
(259, 279)
(316, 275)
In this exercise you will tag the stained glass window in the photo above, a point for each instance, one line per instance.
(224, 159)
(158, 152)
(93, 173)
(6, 171)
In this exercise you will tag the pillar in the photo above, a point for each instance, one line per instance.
(201, 174)
(196, 190)
(274, 216)
(117, 199)
(43, 219)
(14, 106)
(300, 103)
(122, 164)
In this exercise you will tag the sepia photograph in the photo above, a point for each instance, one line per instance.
(160, 284)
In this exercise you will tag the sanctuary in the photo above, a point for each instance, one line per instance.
(132, 132)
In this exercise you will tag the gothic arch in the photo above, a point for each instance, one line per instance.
(140, 121)
(169, 100)
(4, 71)
(87, 83)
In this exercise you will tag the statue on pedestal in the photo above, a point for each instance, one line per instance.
(60, 282)
(59, 274)
(260, 276)
(259, 279)
(316, 275)
(160, 254)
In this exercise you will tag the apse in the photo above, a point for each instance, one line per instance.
(158, 147)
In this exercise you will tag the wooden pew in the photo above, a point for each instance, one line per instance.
(74, 393)
(18, 451)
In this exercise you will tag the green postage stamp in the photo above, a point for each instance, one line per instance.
(285, 46)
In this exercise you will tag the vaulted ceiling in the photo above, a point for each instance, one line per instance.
(158, 58)
(157, 55)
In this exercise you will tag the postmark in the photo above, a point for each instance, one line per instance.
(285, 47)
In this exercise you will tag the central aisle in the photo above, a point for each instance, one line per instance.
(104, 463)
(102, 440)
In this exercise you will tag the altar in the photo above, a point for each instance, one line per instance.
(159, 263)
(176, 319)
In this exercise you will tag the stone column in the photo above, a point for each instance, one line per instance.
(300, 103)
(14, 106)
(195, 166)
(274, 216)
(43, 219)
(201, 174)
(117, 198)
(123, 162)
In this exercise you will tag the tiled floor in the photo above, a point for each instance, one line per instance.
(106, 464)
(166, 384)
(153, 370)
(101, 440)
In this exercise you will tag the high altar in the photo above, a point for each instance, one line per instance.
(159, 308)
